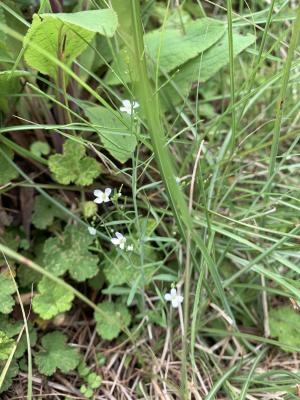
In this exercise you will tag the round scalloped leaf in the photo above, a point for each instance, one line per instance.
(7, 171)
(7, 289)
(69, 252)
(6, 346)
(56, 354)
(112, 318)
(73, 165)
(52, 299)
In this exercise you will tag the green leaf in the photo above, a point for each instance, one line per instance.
(56, 354)
(52, 299)
(70, 253)
(7, 289)
(124, 268)
(117, 139)
(94, 380)
(89, 208)
(285, 324)
(45, 212)
(170, 48)
(64, 35)
(73, 165)
(40, 148)
(10, 85)
(12, 330)
(7, 171)
(6, 346)
(204, 66)
(112, 318)
(12, 372)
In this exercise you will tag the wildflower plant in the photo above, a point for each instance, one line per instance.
(148, 198)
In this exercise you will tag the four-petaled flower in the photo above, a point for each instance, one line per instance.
(119, 240)
(92, 231)
(130, 247)
(174, 298)
(128, 106)
(102, 197)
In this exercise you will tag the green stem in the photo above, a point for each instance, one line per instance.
(231, 70)
(282, 97)
(150, 107)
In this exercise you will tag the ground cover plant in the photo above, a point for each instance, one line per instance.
(149, 199)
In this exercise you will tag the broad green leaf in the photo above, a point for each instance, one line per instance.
(112, 319)
(7, 289)
(65, 36)
(6, 346)
(204, 66)
(45, 212)
(103, 21)
(285, 324)
(170, 47)
(117, 139)
(10, 87)
(56, 354)
(7, 171)
(52, 299)
(74, 165)
(69, 252)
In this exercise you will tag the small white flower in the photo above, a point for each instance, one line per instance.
(102, 197)
(176, 299)
(128, 106)
(92, 231)
(130, 247)
(119, 240)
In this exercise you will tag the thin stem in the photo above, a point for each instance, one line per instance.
(282, 97)
(231, 70)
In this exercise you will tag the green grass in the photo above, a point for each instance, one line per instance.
(210, 203)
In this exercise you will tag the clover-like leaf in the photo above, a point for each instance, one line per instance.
(52, 299)
(7, 289)
(45, 212)
(285, 324)
(74, 165)
(70, 253)
(7, 171)
(6, 346)
(56, 354)
(111, 319)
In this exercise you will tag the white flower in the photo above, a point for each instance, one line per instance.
(175, 298)
(92, 231)
(130, 247)
(128, 106)
(119, 240)
(102, 197)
